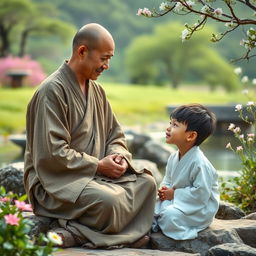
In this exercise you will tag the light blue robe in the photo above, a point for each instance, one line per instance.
(196, 197)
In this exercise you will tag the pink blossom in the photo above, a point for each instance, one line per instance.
(32, 67)
(139, 12)
(146, 12)
(251, 135)
(218, 11)
(5, 199)
(12, 219)
(23, 206)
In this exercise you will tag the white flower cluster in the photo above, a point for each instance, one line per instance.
(244, 79)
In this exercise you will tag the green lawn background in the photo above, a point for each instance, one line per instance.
(133, 105)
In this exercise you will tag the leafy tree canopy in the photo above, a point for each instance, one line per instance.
(162, 55)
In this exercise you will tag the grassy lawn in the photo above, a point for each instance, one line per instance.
(132, 104)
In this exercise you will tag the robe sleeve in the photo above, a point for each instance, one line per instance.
(116, 142)
(195, 197)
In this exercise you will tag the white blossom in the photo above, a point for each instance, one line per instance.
(237, 130)
(241, 136)
(184, 34)
(250, 103)
(178, 7)
(231, 127)
(254, 81)
(190, 3)
(54, 238)
(238, 107)
(205, 9)
(244, 79)
(238, 71)
(239, 148)
(250, 135)
(163, 6)
(229, 146)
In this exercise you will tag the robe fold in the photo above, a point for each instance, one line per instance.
(67, 135)
(196, 196)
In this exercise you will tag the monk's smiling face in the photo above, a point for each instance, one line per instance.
(97, 60)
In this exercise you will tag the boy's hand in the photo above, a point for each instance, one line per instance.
(165, 193)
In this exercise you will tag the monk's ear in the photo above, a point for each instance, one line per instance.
(192, 135)
(82, 50)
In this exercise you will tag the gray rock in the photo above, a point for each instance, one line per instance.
(221, 231)
(11, 178)
(149, 165)
(251, 216)
(40, 224)
(136, 141)
(229, 211)
(232, 249)
(155, 152)
(118, 252)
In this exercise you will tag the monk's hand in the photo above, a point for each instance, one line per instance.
(122, 161)
(165, 193)
(108, 167)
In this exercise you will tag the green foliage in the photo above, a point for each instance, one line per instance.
(14, 229)
(162, 54)
(243, 189)
(20, 19)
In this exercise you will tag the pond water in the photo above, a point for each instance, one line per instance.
(214, 148)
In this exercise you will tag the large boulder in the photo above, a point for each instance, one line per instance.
(232, 249)
(135, 141)
(229, 211)
(240, 232)
(11, 178)
(155, 152)
(139, 164)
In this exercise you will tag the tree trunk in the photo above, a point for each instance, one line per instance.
(23, 41)
(5, 44)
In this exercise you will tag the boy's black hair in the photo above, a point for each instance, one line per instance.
(197, 118)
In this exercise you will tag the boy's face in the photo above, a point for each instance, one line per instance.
(176, 133)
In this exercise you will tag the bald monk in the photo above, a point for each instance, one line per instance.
(77, 167)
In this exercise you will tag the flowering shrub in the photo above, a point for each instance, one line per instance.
(14, 229)
(32, 67)
(209, 10)
(243, 192)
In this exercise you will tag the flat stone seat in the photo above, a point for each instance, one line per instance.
(238, 231)
(118, 252)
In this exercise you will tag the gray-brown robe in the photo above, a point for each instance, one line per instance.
(66, 137)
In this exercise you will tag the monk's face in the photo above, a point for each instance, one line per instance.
(97, 60)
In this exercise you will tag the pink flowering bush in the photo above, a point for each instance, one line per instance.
(26, 64)
(243, 193)
(14, 230)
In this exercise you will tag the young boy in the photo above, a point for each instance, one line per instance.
(188, 197)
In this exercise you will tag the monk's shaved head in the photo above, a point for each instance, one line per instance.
(90, 35)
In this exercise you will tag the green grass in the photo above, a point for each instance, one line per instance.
(132, 104)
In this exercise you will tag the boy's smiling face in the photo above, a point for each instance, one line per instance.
(176, 133)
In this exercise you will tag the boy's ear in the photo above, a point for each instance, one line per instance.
(192, 135)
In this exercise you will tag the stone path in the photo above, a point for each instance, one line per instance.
(118, 252)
